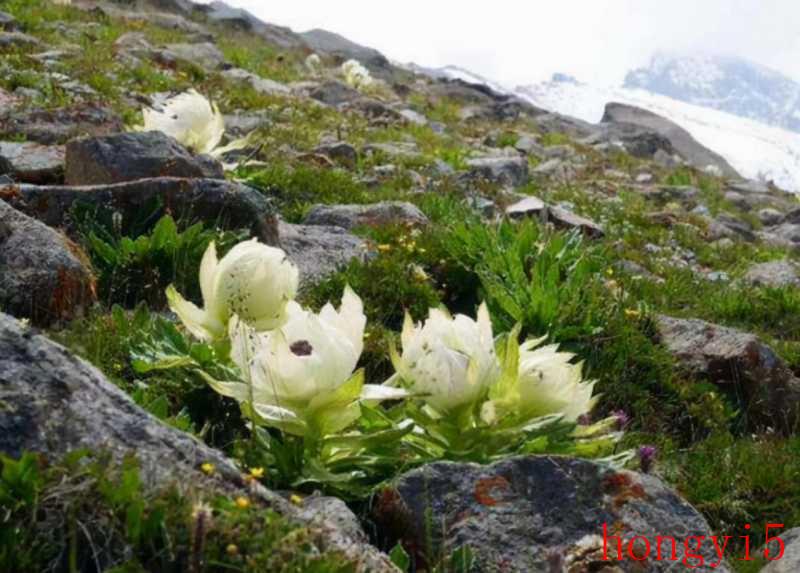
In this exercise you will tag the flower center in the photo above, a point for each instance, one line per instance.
(301, 348)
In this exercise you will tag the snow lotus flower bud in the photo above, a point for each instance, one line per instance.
(253, 281)
(300, 378)
(449, 361)
(191, 119)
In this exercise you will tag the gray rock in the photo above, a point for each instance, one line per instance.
(334, 93)
(43, 275)
(18, 40)
(773, 274)
(240, 19)
(770, 217)
(783, 235)
(789, 562)
(58, 126)
(54, 403)
(217, 202)
(372, 215)
(341, 152)
(680, 139)
(529, 145)
(748, 186)
(261, 85)
(558, 216)
(319, 250)
(527, 207)
(793, 217)
(565, 219)
(31, 162)
(413, 117)
(131, 156)
(559, 151)
(727, 226)
(737, 361)
(8, 22)
(203, 54)
(505, 171)
(318, 509)
(377, 112)
(518, 514)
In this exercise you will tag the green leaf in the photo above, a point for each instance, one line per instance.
(400, 558)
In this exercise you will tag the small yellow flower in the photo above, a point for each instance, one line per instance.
(208, 468)
(296, 499)
(232, 550)
(384, 248)
(257, 473)
(632, 313)
(610, 271)
(242, 502)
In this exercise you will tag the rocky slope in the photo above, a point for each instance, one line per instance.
(627, 241)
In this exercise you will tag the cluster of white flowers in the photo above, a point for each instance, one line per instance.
(452, 363)
(193, 121)
(298, 368)
(313, 64)
(356, 75)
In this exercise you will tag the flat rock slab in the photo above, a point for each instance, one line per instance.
(524, 514)
(54, 403)
(216, 202)
(131, 156)
(371, 215)
(43, 275)
(203, 54)
(59, 126)
(738, 361)
(319, 250)
(18, 40)
(32, 163)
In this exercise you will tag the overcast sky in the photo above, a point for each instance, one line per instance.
(524, 41)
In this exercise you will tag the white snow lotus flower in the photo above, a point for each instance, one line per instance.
(543, 382)
(253, 281)
(194, 121)
(356, 75)
(300, 377)
(313, 63)
(449, 361)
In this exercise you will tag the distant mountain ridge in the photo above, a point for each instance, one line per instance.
(726, 83)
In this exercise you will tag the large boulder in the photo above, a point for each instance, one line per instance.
(319, 250)
(217, 202)
(30, 162)
(737, 361)
(338, 46)
(618, 119)
(51, 127)
(54, 403)
(540, 514)
(43, 275)
(130, 156)
(371, 215)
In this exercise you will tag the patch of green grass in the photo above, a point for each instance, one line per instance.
(85, 513)
(253, 54)
(137, 267)
(738, 481)
(554, 138)
(297, 188)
